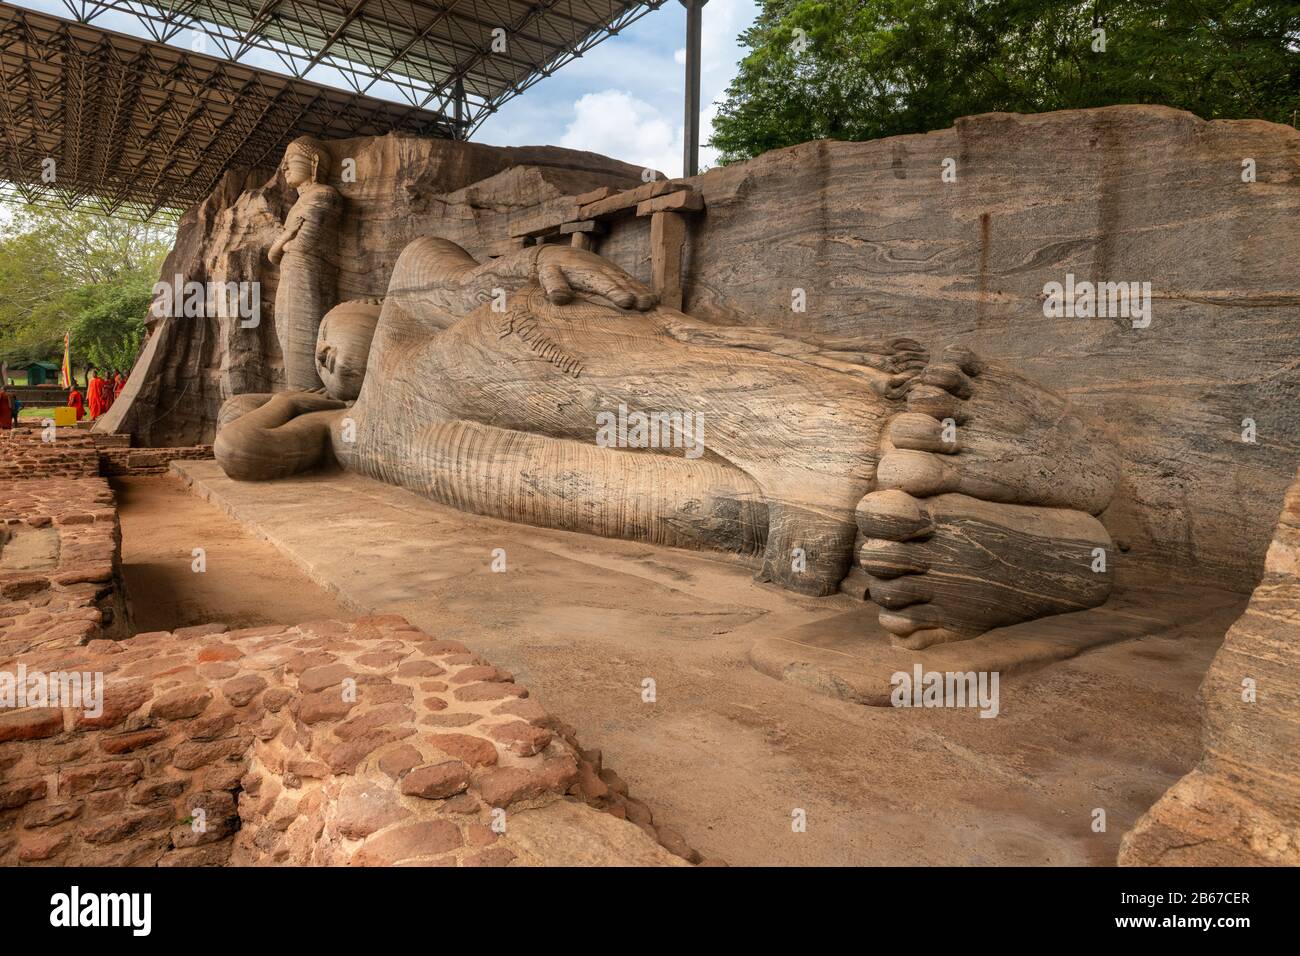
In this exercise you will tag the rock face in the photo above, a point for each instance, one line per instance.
(1241, 804)
(512, 412)
(403, 187)
(851, 243)
(882, 246)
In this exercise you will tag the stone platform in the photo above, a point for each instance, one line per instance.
(723, 753)
(362, 743)
(850, 656)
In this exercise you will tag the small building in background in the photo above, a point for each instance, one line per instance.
(39, 373)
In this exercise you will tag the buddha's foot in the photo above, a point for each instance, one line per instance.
(983, 517)
(989, 433)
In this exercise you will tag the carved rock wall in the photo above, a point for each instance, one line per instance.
(881, 246)
(404, 187)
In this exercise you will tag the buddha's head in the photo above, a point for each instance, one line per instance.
(343, 346)
(305, 161)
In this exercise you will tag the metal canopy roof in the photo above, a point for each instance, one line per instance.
(435, 52)
(140, 125)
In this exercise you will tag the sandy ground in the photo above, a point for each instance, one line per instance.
(247, 582)
(724, 754)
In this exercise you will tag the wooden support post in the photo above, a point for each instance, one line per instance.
(667, 236)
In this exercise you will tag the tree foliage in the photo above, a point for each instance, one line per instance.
(77, 272)
(862, 69)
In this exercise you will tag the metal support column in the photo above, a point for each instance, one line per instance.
(691, 139)
(458, 114)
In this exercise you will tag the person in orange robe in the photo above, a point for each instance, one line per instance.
(75, 401)
(119, 383)
(6, 410)
(95, 394)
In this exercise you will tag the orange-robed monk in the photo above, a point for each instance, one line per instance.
(95, 394)
(75, 401)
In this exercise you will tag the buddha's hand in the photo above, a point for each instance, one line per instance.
(563, 270)
(304, 403)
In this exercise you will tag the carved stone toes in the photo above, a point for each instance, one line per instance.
(993, 434)
(983, 515)
(950, 567)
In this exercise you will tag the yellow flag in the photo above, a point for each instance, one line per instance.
(65, 374)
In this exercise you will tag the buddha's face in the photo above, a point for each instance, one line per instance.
(305, 161)
(343, 346)
(297, 171)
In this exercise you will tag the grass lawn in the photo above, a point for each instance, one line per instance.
(41, 412)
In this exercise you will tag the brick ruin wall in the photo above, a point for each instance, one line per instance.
(74, 452)
(325, 743)
(60, 574)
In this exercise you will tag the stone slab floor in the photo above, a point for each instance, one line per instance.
(724, 754)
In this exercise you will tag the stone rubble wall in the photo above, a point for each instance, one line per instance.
(78, 597)
(25, 454)
(77, 452)
(117, 462)
(363, 743)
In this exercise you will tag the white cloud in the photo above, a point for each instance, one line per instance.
(624, 97)
(618, 124)
(644, 126)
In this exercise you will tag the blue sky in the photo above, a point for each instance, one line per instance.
(623, 99)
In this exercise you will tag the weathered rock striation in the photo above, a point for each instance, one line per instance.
(880, 247)
(1240, 806)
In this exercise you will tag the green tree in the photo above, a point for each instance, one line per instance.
(109, 332)
(862, 69)
(75, 271)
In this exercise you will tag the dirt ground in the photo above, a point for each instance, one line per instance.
(724, 754)
(246, 583)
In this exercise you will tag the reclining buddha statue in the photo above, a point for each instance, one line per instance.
(964, 494)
